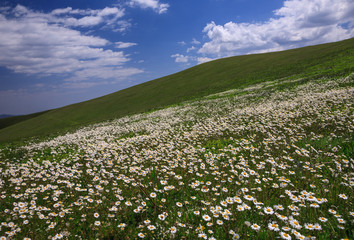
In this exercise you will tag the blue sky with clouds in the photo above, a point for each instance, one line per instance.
(58, 52)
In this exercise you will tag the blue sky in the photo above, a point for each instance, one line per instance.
(58, 52)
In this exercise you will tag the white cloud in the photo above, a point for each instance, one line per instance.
(191, 49)
(60, 11)
(108, 16)
(204, 59)
(179, 58)
(296, 24)
(154, 4)
(47, 43)
(125, 44)
(195, 41)
(71, 17)
(182, 43)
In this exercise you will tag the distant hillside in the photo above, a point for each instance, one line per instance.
(325, 60)
(8, 120)
(5, 116)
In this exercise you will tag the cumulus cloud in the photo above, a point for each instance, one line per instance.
(191, 49)
(297, 23)
(182, 43)
(195, 41)
(204, 59)
(154, 4)
(179, 58)
(71, 17)
(125, 44)
(49, 43)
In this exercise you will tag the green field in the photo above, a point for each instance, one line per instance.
(326, 60)
(268, 157)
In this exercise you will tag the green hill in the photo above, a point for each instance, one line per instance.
(11, 120)
(325, 60)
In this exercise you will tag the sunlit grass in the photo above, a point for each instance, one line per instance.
(271, 161)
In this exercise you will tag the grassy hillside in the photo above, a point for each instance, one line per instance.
(11, 120)
(333, 59)
(271, 161)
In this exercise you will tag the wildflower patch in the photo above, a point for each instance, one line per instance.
(272, 162)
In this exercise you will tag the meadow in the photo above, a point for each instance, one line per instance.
(273, 160)
(320, 61)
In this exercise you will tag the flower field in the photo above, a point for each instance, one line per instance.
(272, 161)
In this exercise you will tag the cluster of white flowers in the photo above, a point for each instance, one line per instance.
(193, 168)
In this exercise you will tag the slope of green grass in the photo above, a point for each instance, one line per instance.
(271, 161)
(8, 121)
(333, 59)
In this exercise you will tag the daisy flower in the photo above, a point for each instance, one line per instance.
(314, 205)
(282, 217)
(206, 217)
(59, 236)
(151, 227)
(268, 210)
(341, 220)
(343, 196)
(284, 235)
(286, 229)
(122, 225)
(237, 200)
(317, 226)
(248, 197)
(278, 207)
(173, 229)
(273, 226)
(295, 224)
(203, 235)
(332, 211)
(236, 236)
(240, 208)
(163, 216)
(256, 227)
(309, 226)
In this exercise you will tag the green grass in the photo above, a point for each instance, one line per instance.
(200, 163)
(326, 60)
(8, 121)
